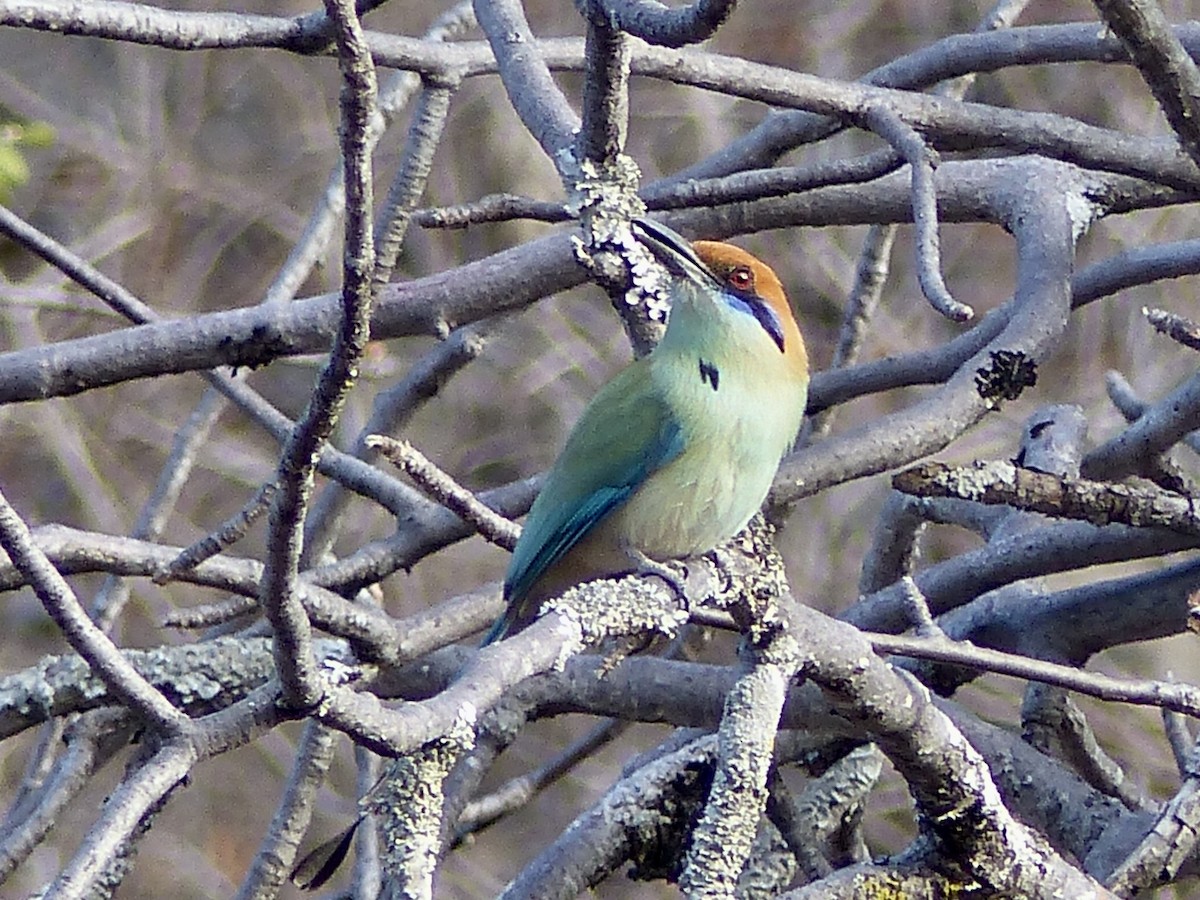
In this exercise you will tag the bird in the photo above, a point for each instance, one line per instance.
(677, 452)
(671, 457)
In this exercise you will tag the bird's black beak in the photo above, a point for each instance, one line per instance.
(672, 250)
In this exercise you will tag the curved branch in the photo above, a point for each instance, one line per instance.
(532, 92)
(658, 24)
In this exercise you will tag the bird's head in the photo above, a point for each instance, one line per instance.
(745, 291)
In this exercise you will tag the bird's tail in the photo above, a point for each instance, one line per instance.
(504, 625)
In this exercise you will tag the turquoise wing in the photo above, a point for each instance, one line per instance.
(626, 434)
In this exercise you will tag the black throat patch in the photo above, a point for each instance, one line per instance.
(709, 374)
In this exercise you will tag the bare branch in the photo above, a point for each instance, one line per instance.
(228, 533)
(869, 278)
(516, 792)
(1052, 722)
(270, 867)
(1125, 399)
(655, 23)
(396, 671)
(1182, 698)
(948, 779)
(807, 821)
(393, 96)
(1179, 737)
(627, 821)
(1169, 845)
(102, 655)
(1163, 62)
(92, 740)
(410, 802)
(722, 838)
(445, 490)
(894, 548)
(1043, 270)
(921, 160)
(1159, 428)
(424, 134)
(134, 798)
(1098, 502)
(605, 89)
(391, 411)
(493, 208)
(534, 95)
(1174, 326)
(303, 685)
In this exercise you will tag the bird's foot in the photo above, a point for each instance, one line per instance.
(673, 575)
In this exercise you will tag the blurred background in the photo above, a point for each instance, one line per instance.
(188, 177)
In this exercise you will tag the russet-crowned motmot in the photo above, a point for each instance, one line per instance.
(677, 452)
(671, 457)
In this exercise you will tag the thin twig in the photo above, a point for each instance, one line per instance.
(755, 184)
(92, 739)
(302, 682)
(368, 870)
(918, 608)
(1179, 738)
(212, 614)
(869, 277)
(1177, 327)
(111, 597)
(517, 792)
(446, 491)
(227, 533)
(424, 135)
(394, 95)
(390, 412)
(922, 160)
(1183, 698)
(492, 208)
(357, 476)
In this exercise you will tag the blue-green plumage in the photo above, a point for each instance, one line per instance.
(625, 434)
(677, 452)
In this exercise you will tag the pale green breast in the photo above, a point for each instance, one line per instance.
(738, 420)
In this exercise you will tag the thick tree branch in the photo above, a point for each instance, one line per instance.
(1098, 502)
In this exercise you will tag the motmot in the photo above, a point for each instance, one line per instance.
(677, 452)
(672, 456)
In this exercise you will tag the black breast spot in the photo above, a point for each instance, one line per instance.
(709, 374)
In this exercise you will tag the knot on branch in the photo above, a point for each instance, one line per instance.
(1008, 374)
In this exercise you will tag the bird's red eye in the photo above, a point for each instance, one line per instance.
(741, 278)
